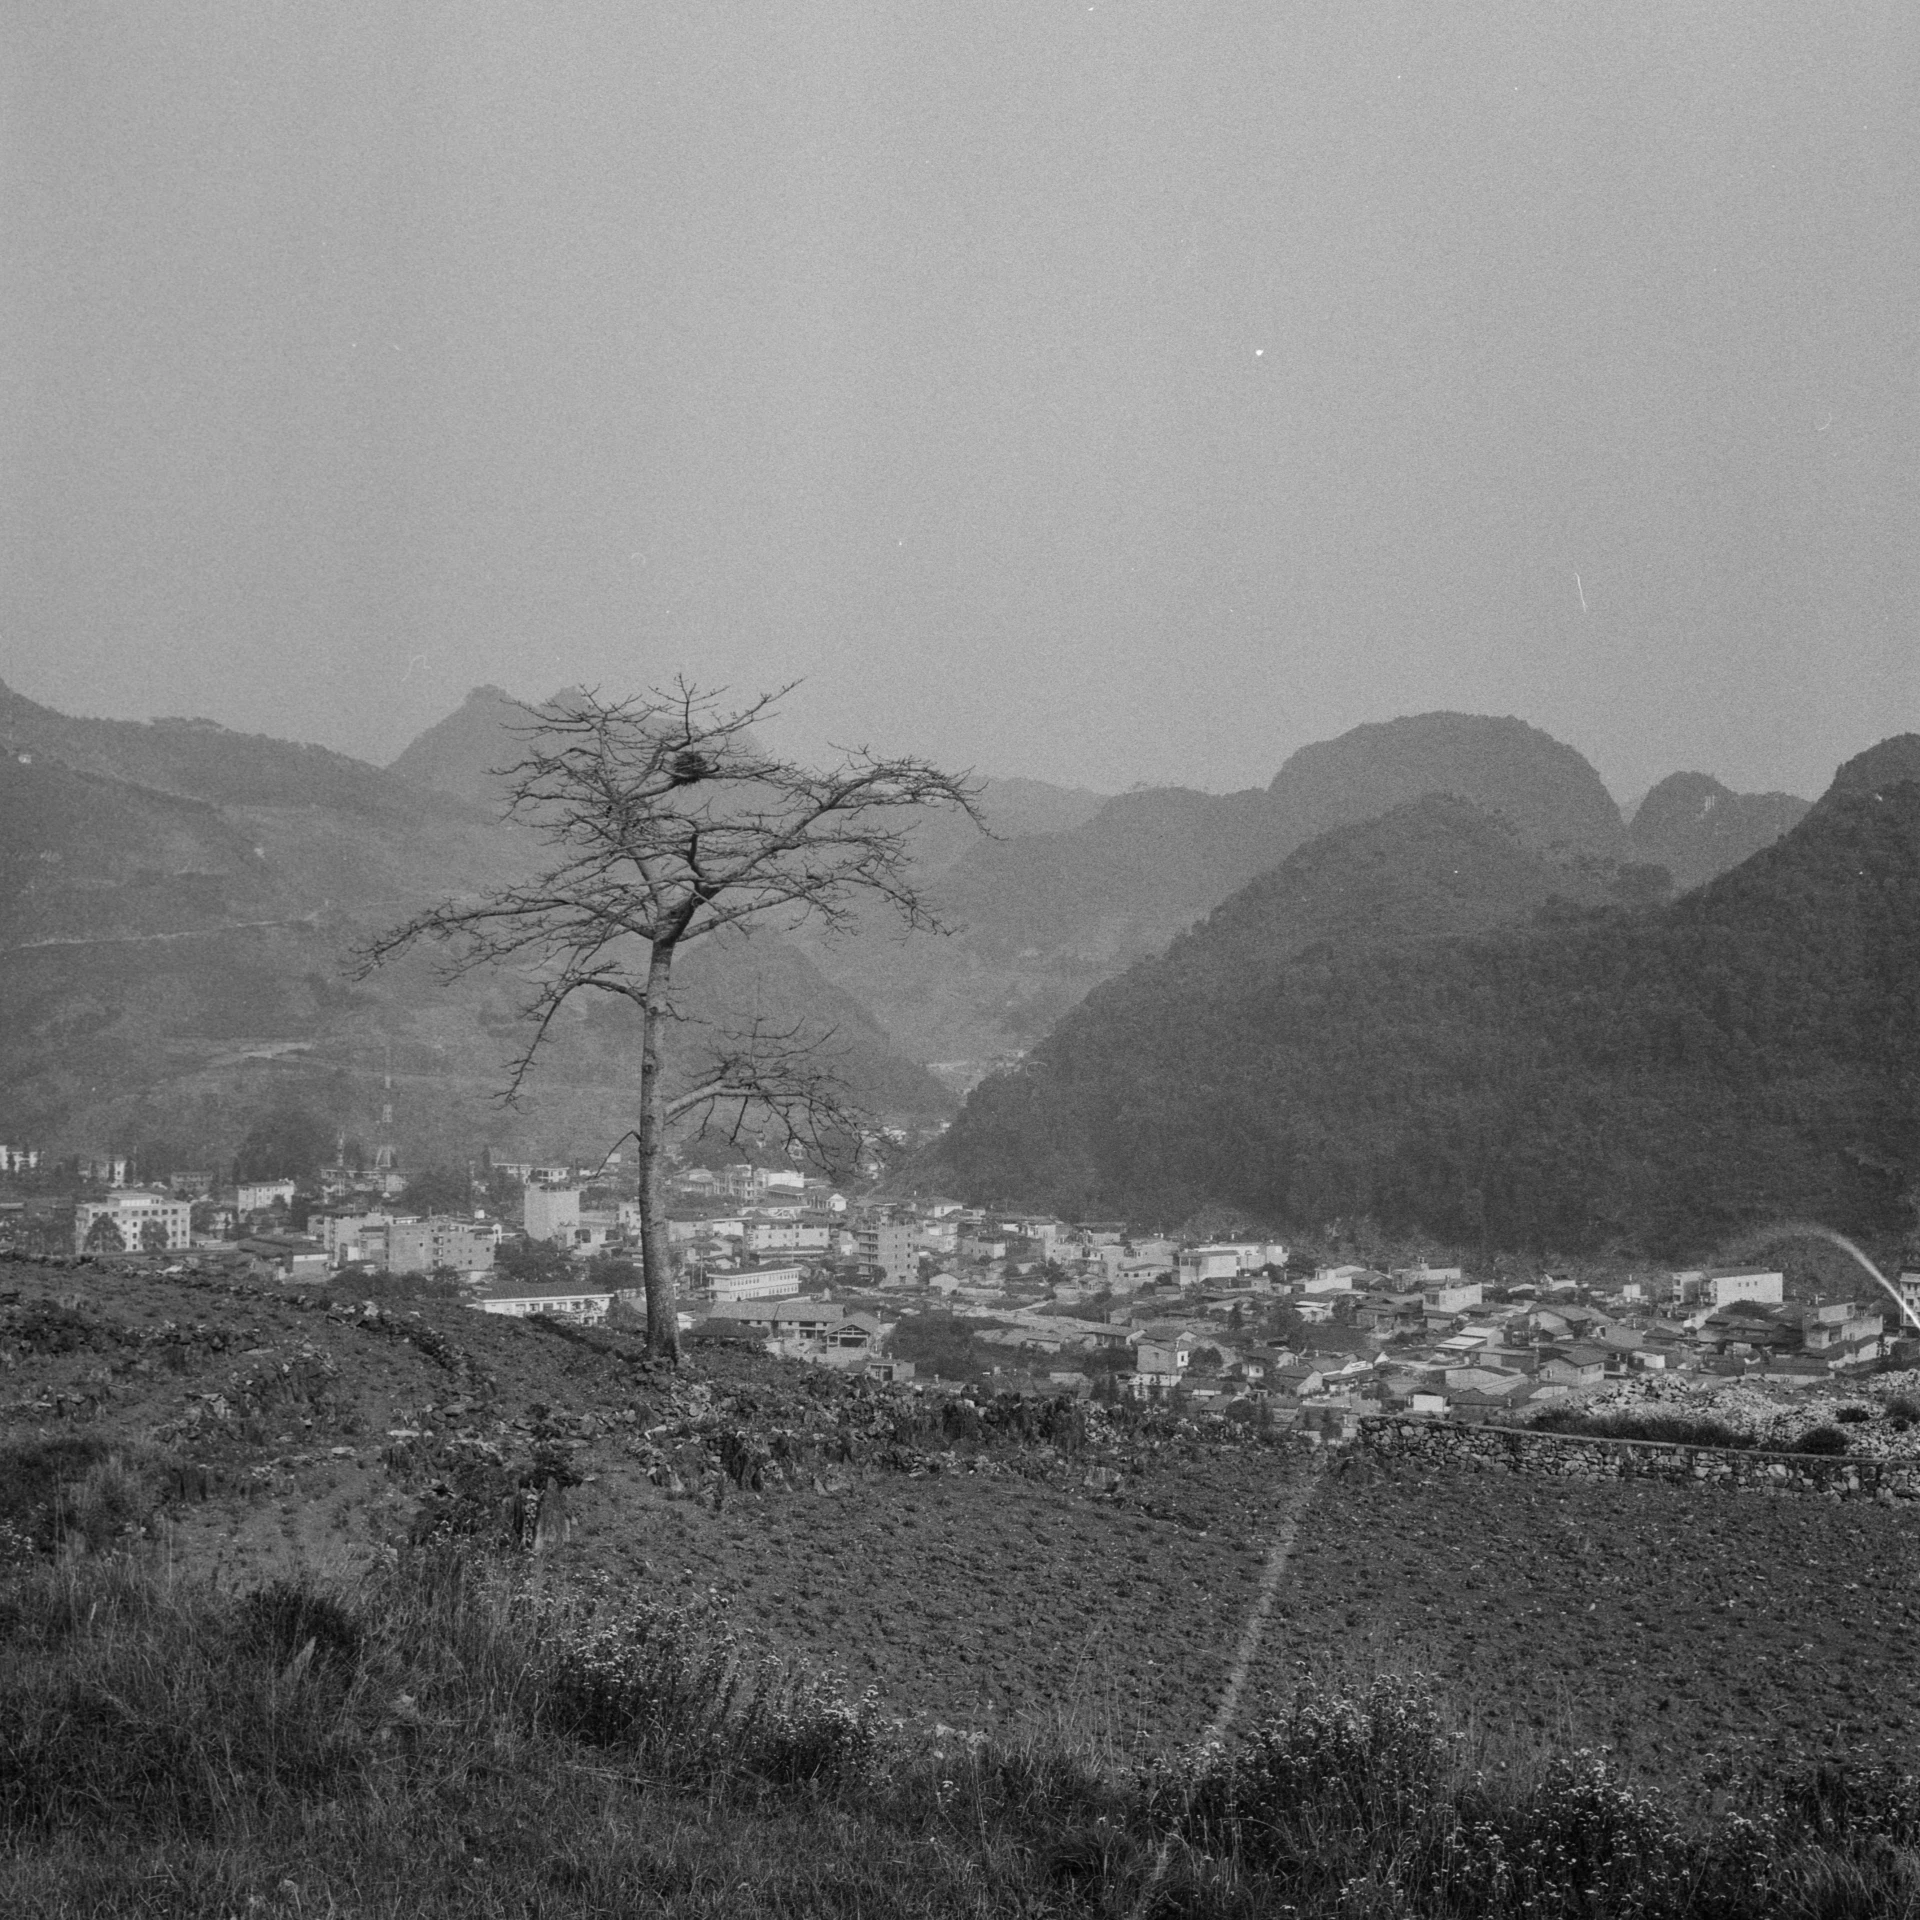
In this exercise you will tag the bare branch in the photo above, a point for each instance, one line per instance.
(667, 821)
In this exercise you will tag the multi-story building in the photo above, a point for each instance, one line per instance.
(552, 1213)
(353, 1238)
(140, 1219)
(788, 1236)
(1451, 1296)
(884, 1249)
(1197, 1266)
(1724, 1285)
(421, 1246)
(255, 1196)
(1843, 1334)
(1910, 1301)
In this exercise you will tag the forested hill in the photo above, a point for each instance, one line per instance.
(1694, 827)
(1652, 1077)
(178, 905)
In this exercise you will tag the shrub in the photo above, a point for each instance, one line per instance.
(1330, 1763)
(108, 1504)
(1672, 1429)
(670, 1681)
(1852, 1416)
(33, 1480)
(284, 1618)
(1826, 1440)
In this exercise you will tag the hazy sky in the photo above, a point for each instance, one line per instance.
(1102, 392)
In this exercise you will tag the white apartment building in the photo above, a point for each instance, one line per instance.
(254, 1196)
(1202, 1266)
(552, 1213)
(140, 1217)
(787, 1236)
(1724, 1285)
(884, 1249)
(1332, 1280)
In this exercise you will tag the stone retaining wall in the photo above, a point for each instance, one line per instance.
(1573, 1456)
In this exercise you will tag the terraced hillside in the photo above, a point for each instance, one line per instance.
(996, 1567)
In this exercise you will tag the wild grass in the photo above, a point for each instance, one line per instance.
(451, 1736)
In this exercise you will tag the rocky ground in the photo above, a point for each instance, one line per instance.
(1879, 1411)
(971, 1568)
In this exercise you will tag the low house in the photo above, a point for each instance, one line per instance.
(1165, 1354)
(1843, 1334)
(1479, 1406)
(1341, 1280)
(1575, 1368)
(563, 1301)
(1387, 1314)
(1492, 1380)
(1296, 1379)
(284, 1256)
(806, 1323)
(753, 1283)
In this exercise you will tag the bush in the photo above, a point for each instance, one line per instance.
(283, 1619)
(669, 1681)
(72, 1492)
(34, 1477)
(1671, 1429)
(1824, 1440)
(1852, 1416)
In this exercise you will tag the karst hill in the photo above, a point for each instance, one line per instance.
(178, 902)
(1581, 1072)
(178, 910)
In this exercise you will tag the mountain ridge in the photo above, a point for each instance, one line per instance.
(1652, 1077)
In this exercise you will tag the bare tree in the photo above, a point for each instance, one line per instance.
(668, 824)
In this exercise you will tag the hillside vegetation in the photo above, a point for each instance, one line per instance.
(1694, 827)
(176, 902)
(1644, 1076)
(178, 905)
(1045, 916)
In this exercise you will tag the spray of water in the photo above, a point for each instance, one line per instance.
(1782, 1230)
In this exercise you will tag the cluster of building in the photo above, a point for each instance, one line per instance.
(777, 1256)
(1431, 1340)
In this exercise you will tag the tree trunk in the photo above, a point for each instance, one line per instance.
(663, 1322)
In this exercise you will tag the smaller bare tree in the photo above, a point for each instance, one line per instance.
(669, 823)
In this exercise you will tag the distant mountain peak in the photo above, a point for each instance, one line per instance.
(1894, 760)
(1500, 763)
(463, 753)
(1696, 827)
